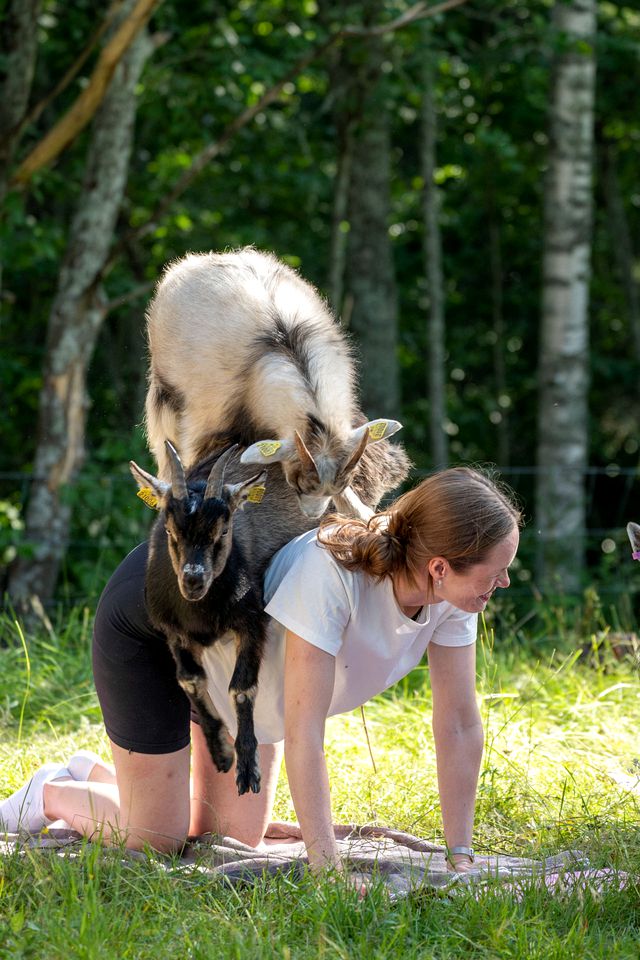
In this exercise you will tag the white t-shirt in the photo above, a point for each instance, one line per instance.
(349, 615)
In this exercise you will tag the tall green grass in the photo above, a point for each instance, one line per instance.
(557, 720)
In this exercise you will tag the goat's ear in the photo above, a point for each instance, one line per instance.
(237, 494)
(145, 480)
(268, 451)
(375, 430)
(633, 532)
(362, 436)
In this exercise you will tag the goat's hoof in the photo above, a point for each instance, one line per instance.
(248, 778)
(223, 764)
(223, 757)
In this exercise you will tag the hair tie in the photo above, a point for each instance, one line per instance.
(393, 538)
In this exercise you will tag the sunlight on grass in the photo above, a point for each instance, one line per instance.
(556, 724)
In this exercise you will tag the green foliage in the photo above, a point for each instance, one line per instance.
(272, 185)
(109, 519)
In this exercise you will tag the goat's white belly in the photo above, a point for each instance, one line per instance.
(219, 663)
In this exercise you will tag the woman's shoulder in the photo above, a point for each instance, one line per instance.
(303, 558)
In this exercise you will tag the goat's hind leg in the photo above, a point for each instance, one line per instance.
(193, 680)
(244, 688)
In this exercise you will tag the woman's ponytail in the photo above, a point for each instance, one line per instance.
(378, 547)
(459, 514)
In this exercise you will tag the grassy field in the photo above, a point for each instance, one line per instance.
(557, 721)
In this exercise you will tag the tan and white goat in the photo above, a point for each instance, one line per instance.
(243, 350)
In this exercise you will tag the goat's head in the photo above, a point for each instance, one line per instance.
(633, 532)
(198, 519)
(319, 474)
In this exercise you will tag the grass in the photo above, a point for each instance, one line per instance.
(555, 723)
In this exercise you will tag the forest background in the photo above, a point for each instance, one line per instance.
(459, 179)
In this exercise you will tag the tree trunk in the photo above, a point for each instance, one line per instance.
(370, 270)
(76, 315)
(436, 352)
(374, 317)
(67, 128)
(339, 220)
(622, 244)
(564, 357)
(18, 54)
(342, 111)
(497, 314)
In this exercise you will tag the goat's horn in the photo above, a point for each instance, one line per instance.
(178, 482)
(216, 477)
(306, 459)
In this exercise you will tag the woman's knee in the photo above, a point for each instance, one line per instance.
(167, 843)
(154, 798)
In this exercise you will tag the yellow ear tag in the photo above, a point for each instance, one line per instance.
(256, 494)
(147, 496)
(378, 430)
(268, 447)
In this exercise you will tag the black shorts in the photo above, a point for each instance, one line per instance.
(143, 706)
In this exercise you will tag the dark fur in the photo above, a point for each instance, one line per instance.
(382, 468)
(233, 602)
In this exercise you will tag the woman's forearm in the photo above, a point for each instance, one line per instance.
(458, 756)
(309, 785)
(308, 686)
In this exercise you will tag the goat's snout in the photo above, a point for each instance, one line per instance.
(194, 582)
(313, 505)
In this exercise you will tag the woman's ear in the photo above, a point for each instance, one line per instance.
(438, 568)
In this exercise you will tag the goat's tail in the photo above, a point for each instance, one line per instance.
(163, 407)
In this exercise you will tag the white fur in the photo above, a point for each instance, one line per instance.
(207, 310)
(203, 322)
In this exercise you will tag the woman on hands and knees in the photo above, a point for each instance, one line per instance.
(360, 603)
(354, 607)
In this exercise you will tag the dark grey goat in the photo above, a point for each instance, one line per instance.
(207, 557)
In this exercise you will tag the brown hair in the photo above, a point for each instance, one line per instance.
(459, 514)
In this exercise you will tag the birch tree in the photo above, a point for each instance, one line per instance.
(563, 368)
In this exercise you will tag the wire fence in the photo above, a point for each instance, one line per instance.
(109, 520)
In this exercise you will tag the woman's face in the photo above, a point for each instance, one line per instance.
(472, 589)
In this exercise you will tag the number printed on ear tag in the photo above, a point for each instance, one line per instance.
(377, 430)
(268, 447)
(256, 494)
(147, 496)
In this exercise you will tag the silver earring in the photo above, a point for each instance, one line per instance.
(438, 584)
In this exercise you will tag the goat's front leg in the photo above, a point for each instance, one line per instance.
(193, 680)
(244, 688)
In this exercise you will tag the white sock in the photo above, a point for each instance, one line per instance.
(24, 809)
(82, 763)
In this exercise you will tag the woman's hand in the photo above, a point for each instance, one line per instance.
(341, 874)
(461, 863)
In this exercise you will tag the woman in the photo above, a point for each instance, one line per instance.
(354, 608)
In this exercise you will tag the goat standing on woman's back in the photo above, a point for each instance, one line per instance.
(244, 350)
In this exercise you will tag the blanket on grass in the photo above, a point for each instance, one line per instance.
(405, 863)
